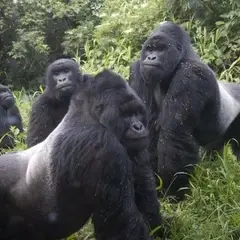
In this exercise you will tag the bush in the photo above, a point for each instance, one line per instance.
(109, 33)
(125, 26)
(46, 30)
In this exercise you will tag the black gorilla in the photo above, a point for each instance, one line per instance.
(9, 116)
(188, 108)
(62, 79)
(92, 164)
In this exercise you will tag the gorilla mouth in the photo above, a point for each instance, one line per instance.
(152, 65)
(65, 87)
(140, 141)
(145, 136)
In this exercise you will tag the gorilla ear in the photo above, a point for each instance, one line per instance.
(110, 119)
(107, 115)
(98, 110)
(179, 47)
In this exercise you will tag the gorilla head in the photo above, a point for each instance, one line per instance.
(62, 77)
(129, 119)
(6, 97)
(163, 51)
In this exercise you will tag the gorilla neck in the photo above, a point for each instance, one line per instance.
(63, 98)
(79, 113)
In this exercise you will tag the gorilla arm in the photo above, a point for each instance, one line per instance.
(137, 82)
(43, 109)
(3, 120)
(177, 147)
(134, 73)
(5, 136)
(15, 118)
(145, 191)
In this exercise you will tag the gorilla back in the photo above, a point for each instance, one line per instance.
(83, 168)
(188, 108)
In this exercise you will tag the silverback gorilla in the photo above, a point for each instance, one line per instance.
(92, 164)
(188, 108)
(62, 79)
(9, 116)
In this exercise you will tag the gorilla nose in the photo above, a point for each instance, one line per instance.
(137, 126)
(152, 57)
(62, 79)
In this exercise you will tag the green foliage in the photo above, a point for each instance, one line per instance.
(47, 29)
(212, 210)
(109, 33)
(8, 26)
(219, 47)
(125, 26)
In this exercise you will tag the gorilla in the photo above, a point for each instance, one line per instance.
(62, 79)
(187, 106)
(9, 116)
(94, 163)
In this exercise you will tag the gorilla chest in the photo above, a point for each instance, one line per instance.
(59, 113)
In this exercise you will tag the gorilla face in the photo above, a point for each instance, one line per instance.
(63, 76)
(134, 116)
(6, 98)
(121, 111)
(136, 135)
(160, 55)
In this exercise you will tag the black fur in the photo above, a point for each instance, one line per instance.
(94, 163)
(187, 106)
(51, 106)
(9, 116)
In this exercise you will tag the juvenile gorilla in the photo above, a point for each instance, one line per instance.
(62, 79)
(94, 163)
(9, 116)
(188, 108)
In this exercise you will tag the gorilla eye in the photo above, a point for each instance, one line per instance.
(179, 47)
(149, 47)
(56, 73)
(65, 70)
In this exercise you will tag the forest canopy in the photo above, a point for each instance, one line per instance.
(109, 33)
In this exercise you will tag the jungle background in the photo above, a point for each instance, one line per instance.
(108, 34)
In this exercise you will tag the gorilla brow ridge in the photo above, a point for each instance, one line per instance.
(132, 105)
(64, 65)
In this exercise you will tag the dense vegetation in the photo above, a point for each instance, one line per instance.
(109, 33)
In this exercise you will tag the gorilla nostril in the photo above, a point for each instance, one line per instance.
(151, 58)
(137, 126)
(61, 79)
